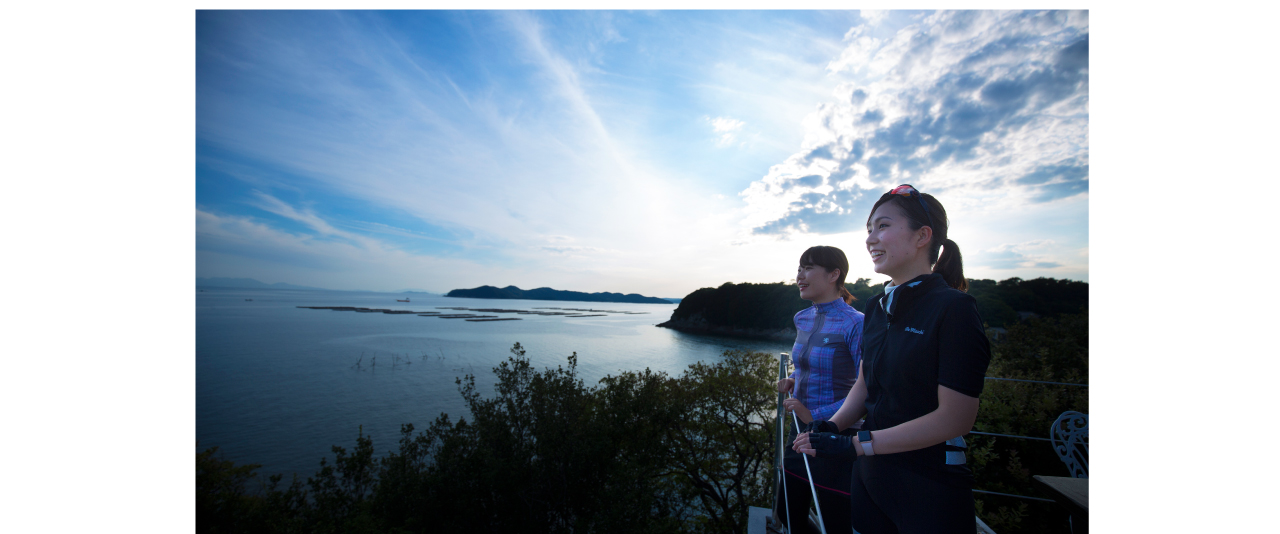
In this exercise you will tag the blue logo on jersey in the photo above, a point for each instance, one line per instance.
(914, 331)
(824, 340)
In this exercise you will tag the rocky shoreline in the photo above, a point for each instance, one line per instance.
(703, 327)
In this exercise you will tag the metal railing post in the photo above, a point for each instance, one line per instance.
(817, 507)
(782, 442)
(782, 417)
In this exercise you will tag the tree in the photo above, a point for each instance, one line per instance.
(1053, 350)
(639, 452)
(723, 446)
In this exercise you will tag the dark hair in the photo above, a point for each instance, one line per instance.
(830, 258)
(949, 264)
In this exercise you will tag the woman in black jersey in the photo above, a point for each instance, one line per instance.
(924, 355)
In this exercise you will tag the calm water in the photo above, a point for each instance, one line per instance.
(275, 384)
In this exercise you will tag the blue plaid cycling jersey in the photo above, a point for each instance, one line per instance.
(826, 361)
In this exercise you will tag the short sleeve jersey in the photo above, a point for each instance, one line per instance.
(826, 356)
(933, 337)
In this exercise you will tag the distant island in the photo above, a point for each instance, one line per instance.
(766, 310)
(546, 293)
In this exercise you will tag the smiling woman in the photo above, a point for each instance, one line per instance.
(826, 356)
(925, 354)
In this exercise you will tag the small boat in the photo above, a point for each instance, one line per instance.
(405, 300)
(248, 300)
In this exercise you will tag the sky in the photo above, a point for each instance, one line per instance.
(635, 152)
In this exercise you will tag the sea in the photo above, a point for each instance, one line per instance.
(279, 385)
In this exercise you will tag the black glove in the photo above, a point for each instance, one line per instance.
(829, 445)
(821, 426)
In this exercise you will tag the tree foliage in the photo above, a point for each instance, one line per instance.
(752, 306)
(772, 306)
(724, 445)
(639, 452)
(1000, 302)
(1051, 350)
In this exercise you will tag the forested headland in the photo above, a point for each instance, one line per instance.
(766, 310)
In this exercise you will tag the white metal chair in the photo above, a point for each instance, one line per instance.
(1069, 436)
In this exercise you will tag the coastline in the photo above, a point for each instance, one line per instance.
(702, 327)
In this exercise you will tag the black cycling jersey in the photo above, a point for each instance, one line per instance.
(933, 337)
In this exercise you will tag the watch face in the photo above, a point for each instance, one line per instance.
(864, 436)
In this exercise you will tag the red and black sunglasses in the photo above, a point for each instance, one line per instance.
(910, 191)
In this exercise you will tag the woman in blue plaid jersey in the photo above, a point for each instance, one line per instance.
(826, 356)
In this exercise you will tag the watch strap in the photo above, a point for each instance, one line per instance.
(864, 439)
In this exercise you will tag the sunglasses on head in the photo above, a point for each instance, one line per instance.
(909, 191)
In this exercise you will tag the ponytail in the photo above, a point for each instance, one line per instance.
(846, 295)
(951, 266)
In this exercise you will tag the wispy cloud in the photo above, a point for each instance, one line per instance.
(568, 83)
(242, 246)
(579, 250)
(873, 16)
(725, 128)
(1031, 254)
(274, 205)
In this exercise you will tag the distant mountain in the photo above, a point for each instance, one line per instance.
(248, 283)
(673, 301)
(546, 293)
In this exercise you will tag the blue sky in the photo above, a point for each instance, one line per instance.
(649, 152)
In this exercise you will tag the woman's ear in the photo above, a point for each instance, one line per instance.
(833, 276)
(924, 236)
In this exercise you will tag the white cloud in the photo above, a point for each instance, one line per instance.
(1026, 255)
(873, 16)
(857, 54)
(984, 109)
(274, 205)
(726, 128)
(578, 250)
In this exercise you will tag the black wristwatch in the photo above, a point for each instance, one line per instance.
(864, 438)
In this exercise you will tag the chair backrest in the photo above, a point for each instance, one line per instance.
(1069, 436)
